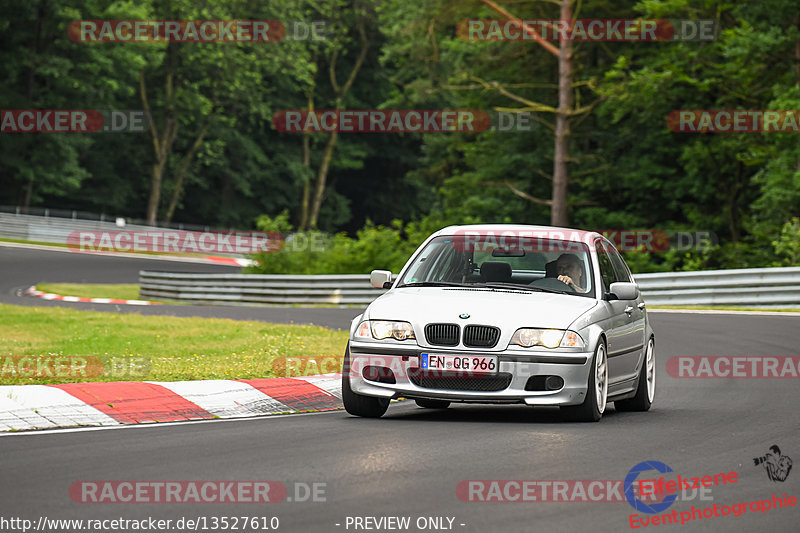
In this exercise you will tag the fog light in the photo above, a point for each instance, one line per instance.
(554, 382)
(381, 374)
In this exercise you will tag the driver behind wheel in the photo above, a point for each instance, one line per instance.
(570, 271)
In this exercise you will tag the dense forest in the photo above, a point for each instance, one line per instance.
(596, 150)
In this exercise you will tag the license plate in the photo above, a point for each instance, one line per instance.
(474, 364)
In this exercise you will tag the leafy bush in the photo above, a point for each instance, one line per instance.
(388, 248)
(788, 244)
(313, 252)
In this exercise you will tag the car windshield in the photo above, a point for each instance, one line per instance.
(517, 263)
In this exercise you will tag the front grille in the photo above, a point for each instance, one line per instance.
(481, 336)
(451, 381)
(442, 334)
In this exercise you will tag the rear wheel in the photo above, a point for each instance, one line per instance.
(646, 390)
(433, 404)
(592, 408)
(358, 404)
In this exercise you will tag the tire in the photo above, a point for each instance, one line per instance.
(594, 405)
(358, 404)
(646, 390)
(433, 404)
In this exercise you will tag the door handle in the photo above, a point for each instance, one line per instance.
(641, 306)
(629, 310)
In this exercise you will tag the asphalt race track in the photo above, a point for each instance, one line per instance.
(409, 463)
(20, 268)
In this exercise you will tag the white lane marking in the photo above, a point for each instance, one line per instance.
(227, 399)
(724, 312)
(39, 406)
(50, 296)
(160, 424)
(330, 383)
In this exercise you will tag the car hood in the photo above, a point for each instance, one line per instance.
(496, 307)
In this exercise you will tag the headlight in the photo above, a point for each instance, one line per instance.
(549, 338)
(384, 329)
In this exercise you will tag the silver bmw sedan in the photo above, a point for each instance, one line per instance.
(536, 315)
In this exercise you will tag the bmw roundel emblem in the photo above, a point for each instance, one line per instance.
(463, 315)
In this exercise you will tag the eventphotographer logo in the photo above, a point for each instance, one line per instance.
(777, 466)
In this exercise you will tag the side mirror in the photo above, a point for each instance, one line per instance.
(380, 279)
(623, 291)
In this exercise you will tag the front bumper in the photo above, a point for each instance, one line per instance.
(572, 367)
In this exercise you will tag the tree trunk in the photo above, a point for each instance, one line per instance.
(155, 193)
(732, 204)
(322, 178)
(186, 162)
(26, 201)
(559, 215)
(797, 60)
(304, 203)
(31, 89)
(162, 142)
(306, 200)
(341, 92)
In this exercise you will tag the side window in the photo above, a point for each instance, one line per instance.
(443, 267)
(426, 264)
(606, 268)
(620, 268)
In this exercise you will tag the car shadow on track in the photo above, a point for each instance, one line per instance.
(512, 414)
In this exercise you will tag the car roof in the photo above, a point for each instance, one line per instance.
(554, 232)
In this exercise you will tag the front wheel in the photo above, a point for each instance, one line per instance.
(358, 404)
(593, 407)
(646, 390)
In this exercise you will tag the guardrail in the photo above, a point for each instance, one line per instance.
(341, 289)
(56, 229)
(760, 287)
(751, 287)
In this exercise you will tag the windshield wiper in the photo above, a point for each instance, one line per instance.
(432, 284)
(501, 285)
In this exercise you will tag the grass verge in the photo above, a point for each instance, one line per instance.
(92, 290)
(132, 347)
